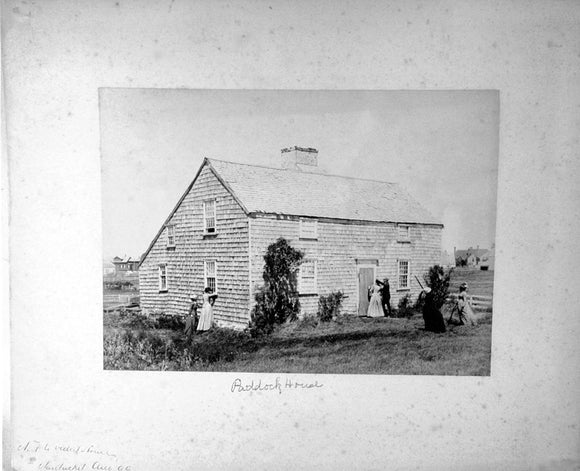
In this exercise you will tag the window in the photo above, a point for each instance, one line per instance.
(403, 233)
(308, 229)
(307, 277)
(403, 274)
(209, 216)
(210, 270)
(162, 277)
(170, 236)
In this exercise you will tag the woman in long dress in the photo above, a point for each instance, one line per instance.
(206, 317)
(431, 314)
(466, 314)
(375, 308)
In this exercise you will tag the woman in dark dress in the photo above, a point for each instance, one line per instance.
(431, 314)
(191, 319)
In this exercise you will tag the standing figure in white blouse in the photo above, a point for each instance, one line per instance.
(206, 317)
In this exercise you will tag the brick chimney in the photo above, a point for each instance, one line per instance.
(300, 158)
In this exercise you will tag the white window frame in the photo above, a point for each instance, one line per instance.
(170, 235)
(406, 235)
(206, 272)
(312, 288)
(163, 268)
(205, 216)
(305, 225)
(399, 274)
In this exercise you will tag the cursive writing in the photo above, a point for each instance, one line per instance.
(95, 466)
(35, 446)
(278, 385)
(69, 457)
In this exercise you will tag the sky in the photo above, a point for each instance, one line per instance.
(441, 146)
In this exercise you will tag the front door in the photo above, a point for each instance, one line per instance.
(366, 278)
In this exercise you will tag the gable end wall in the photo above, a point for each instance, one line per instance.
(185, 263)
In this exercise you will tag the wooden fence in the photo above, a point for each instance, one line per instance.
(121, 299)
(478, 302)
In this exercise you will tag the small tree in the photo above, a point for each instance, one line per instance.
(438, 280)
(405, 307)
(277, 300)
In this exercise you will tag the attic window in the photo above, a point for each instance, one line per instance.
(308, 229)
(209, 216)
(403, 233)
(170, 236)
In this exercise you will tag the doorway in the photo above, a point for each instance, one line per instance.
(366, 278)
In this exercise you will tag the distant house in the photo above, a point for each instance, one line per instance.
(350, 230)
(126, 264)
(470, 257)
(488, 260)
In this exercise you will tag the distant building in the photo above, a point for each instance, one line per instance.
(488, 260)
(471, 257)
(121, 272)
(126, 264)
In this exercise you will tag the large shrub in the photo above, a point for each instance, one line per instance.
(277, 300)
(437, 278)
(329, 306)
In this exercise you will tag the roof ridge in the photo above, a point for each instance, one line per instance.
(303, 172)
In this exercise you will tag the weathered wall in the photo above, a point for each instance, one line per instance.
(337, 249)
(229, 247)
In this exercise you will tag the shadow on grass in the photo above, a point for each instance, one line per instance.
(338, 337)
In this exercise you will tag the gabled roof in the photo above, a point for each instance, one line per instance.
(267, 190)
(299, 193)
(124, 260)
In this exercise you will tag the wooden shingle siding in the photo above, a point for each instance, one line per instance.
(337, 249)
(185, 263)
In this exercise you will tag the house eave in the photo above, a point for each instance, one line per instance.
(263, 214)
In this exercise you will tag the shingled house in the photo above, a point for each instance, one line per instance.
(350, 230)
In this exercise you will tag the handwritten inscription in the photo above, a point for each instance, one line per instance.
(64, 457)
(278, 385)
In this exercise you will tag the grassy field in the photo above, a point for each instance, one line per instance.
(480, 282)
(349, 345)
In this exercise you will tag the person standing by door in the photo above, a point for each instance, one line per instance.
(375, 308)
(386, 297)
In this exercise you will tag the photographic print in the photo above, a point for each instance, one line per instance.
(339, 232)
